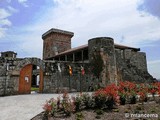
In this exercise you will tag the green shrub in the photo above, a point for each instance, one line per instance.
(67, 105)
(87, 100)
(98, 117)
(99, 112)
(100, 101)
(79, 116)
(50, 107)
(116, 110)
(77, 102)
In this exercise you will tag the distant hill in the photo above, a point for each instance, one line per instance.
(158, 79)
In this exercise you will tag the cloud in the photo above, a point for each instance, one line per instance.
(4, 14)
(2, 32)
(4, 22)
(23, 2)
(150, 6)
(12, 10)
(154, 62)
(89, 18)
(154, 68)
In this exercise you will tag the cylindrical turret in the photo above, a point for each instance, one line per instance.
(101, 49)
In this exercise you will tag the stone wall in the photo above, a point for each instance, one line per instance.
(105, 47)
(113, 64)
(56, 41)
(2, 85)
(10, 71)
(8, 85)
(55, 81)
(137, 59)
(131, 66)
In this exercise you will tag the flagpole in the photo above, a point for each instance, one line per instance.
(69, 83)
(80, 81)
(70, 73)
(60, 77)
(81, 77)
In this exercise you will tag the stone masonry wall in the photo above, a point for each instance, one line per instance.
(55, 81)
(137, 59)
(104, 46)
(2, 85)
(10, 71)
(114, 64)
(55, 43)
(132, 66)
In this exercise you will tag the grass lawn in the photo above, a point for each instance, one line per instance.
(34, 89)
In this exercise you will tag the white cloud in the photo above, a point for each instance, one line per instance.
(150, 6)
(23, 2)
(4, 14)
(154, 62)
(91, 18)
(2, 32)
(12, 10)
(4, 21)
(154, 68)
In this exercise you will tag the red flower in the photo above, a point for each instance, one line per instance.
(47, 107)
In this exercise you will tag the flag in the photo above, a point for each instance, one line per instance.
(59, 68)
(70, 70)
(82, 70)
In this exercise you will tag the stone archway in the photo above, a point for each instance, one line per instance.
(26, 61)
(26, 72)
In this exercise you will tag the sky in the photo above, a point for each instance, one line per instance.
(133, 23)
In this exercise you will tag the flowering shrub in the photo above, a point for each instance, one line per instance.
(87, 101)
(77, 101)
(100, 98)
(67, 105)
(50, 107)
(127, 91)
(142, 91)
(158, 86)
(153, 88)
(106, 97)
(103, 98)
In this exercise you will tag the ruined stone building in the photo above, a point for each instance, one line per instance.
(100, 62)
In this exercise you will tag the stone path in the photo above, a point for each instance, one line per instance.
(23, 107)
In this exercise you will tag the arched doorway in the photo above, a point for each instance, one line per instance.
(37, 79)
(29, 79)
(31, 75)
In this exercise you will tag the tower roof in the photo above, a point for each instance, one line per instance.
(54, 30)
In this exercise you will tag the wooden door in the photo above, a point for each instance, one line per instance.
(25, 80)
(41, 81)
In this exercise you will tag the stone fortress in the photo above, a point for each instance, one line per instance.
(102, 61)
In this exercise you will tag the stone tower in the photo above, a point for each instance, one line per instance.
(8, 54)
(56, 41)
(103, 47)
